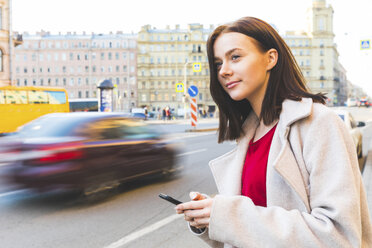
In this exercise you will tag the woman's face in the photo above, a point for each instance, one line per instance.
(243, 69)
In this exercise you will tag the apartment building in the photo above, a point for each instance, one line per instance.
(317, 55)
(165, 58)
(79, 63)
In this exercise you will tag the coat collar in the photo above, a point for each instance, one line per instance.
(292, 111)
(227, 169)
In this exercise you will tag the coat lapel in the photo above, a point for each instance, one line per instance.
(281, 156)
(227, 169)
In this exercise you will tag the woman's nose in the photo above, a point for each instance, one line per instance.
(225, 70)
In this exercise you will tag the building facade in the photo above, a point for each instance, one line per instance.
(79, 63)
(5, 77)
(165, 59)
(317, 55)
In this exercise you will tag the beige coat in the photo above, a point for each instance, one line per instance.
(315, 195)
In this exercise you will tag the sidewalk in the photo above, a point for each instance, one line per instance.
(187, 122)
(181, 121)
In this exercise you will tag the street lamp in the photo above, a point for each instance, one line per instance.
(185, 88)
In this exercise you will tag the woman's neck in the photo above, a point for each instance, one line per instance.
(262, 129)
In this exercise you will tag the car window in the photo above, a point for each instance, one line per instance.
(50, 126)
(118, 128)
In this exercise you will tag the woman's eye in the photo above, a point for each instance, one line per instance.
(235, 57)
(218, 65)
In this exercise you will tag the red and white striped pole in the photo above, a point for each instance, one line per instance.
(194, 115)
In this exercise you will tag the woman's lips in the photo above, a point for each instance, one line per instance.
(232, 84)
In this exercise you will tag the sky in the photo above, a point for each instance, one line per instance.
(351, 22)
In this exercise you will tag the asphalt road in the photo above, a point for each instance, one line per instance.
(131, 216)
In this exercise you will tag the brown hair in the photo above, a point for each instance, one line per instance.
(286, 80)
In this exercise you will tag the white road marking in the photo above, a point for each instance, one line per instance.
(192, 152)
(176, 136)
(135, 235)
(12, 193)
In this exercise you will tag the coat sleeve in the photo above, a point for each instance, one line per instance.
(335, 196)
(205, 237)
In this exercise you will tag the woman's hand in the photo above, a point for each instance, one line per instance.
(196, 212)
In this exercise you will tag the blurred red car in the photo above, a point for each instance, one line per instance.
(85, 151)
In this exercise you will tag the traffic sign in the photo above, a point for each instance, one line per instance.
(196, 67)
(365, 44)
(193, 91)
(180, 87)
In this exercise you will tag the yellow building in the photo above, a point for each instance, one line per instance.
(165, 58)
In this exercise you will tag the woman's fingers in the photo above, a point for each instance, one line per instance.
(192, 205)
(200, 222)
(202, 213)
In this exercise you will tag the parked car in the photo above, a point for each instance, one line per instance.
(363, 103)
(351, 102)
(84, 151)
(354, 129)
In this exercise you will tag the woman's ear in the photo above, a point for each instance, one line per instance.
(272, 57)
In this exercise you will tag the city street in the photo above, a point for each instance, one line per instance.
(132, 215)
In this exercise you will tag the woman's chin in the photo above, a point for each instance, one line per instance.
(237, 97)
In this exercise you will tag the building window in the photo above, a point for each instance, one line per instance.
(321, 26)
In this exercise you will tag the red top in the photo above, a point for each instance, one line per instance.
(254, 171)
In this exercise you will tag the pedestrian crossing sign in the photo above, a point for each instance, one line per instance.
(196, 67)
(180, 87)
(365, 44)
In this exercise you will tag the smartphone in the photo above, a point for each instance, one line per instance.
(170, 199)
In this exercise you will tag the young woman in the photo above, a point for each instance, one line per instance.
(293, 180)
